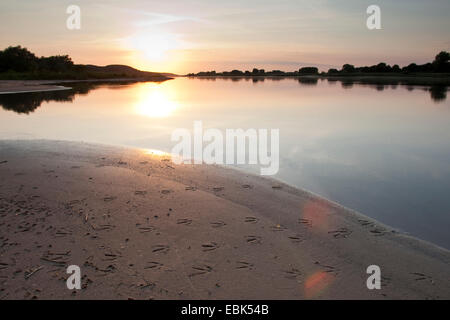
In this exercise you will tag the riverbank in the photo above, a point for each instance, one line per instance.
(422, 79)
(22, 86)
(141, 227)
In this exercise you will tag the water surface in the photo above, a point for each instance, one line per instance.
(383, 150)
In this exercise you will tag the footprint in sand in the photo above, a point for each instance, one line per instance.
(292, 273)
(57, 258)
(218, 224)
(378, 232)
(385, 281)
(251, 219)
(329, 269)
(62, 232)
(277, 186)
(108, 269)
(160, 248)
(140, 192)
(306, 222)
(153, 265)
(421, 276)
(210, 246)
(296, 238)
(146, 229)
(365, 223)
(247, 186)
(184, 221)
(109, 198)
(218, 189)
(253, 239)
(340, 233)
(190, 188)
(111, 257)
(165, 191)
(200, 269)
(102, 227)
(244, 265)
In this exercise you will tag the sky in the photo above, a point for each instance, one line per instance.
(198, 35)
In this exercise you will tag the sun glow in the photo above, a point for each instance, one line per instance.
(153, 47)
(155, 102)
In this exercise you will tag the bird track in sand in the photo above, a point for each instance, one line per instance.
(209, 246)
(253, 239)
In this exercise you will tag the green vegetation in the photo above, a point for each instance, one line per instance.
(17, 63)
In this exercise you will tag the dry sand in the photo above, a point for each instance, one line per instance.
(141, 227)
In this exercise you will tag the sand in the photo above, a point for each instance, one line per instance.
(23, 86)
(20, 86)
(141, 227)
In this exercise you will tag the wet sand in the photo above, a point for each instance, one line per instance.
(22, 86)
(141, 227)
(19, 86)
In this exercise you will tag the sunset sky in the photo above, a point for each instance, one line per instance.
(191, 36)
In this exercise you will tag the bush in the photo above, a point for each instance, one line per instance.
(308, 70)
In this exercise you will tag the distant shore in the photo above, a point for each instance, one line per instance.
(412, 79)
(142, 227)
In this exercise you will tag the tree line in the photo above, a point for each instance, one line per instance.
(18, 59)
(20, 63)
(440, 64)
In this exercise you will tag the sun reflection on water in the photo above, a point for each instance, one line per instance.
(155, 152)
(155, 102)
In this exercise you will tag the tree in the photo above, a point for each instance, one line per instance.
(17, 59)
(441, 62)
(308, 70)
(236, 73)
(382, 67)
(56, 63)
(395, 68)
(348, 68)
(442, 57)
(333, 71)
(412, 67)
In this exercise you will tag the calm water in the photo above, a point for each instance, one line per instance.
(383, 150)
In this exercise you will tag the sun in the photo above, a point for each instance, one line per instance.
(153, 47)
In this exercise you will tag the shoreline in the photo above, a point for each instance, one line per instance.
(25, 86)
(419, 79)
(142, 227)
(349, 210)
